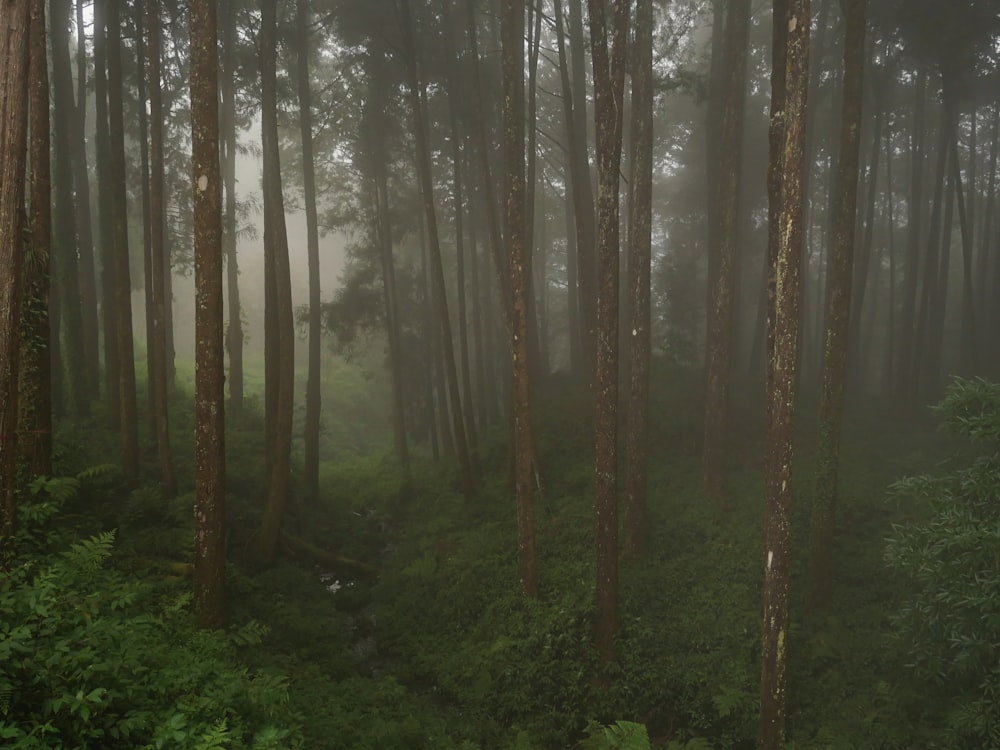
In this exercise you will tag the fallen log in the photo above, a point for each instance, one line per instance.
(325, 558)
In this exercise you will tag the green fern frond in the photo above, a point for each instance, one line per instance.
(90, 554)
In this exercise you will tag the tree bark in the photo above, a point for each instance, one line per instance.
(90, 335)
(609, 81)
(210, 433)
(722, 253)
(791, 54)
(838, 304)
(282, 342)
(65, 266)
(313, 403)
(469, 481)
(128, 416)
(639, 266)
(34, 397)
(512, 36)
(102, 138)
(158, 267)
(14, 22)
(234, 333)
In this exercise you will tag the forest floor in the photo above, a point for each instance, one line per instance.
(439, 650)
(442, 651)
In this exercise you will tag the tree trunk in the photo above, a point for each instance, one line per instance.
(609, 81)
(469, 481)
(65, 265)
(128, 416)
(102, 138)
(158, 341)
(281, 369)
(382, 232)
(147, 227)
(90, 334)
(512, 55)
(639, 266)
(722, 253)
(234, 333)
(210, 396)
(458, 197)
(839, 280)
(313, 404)
(34, 396)
(790, 54)
(14, 21)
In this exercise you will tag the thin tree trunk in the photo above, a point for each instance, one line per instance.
(210, 395)
(109, 324)
(90, 333)
(313, 404)
(640, 242)
(790, 55)
(158, 340)
(281, 369)
(128, 424)
(65, 265)
(469, 481)
(234, 333)
(722, 253)
(147, 229)
(838, 306)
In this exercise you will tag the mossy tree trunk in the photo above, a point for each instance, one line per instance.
(14, 23)
(791, 54)
(608, 57)
(35, 402)
(512, 56)
(210, 437)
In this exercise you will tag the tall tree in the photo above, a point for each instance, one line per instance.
(158, 341)
(838, 304)
(415, 93)
(14, 24)
(102, 143)
(790, 54)
(279, 344)
(35, 401)
(639, 267)
(234, 333)
(311, 430)
(66, 268)
(128, 415)
(512, 55)
(723, 238)
(609, 83)
(210, 433)
(84, 229)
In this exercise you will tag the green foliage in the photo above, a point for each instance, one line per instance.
(622, 735)
(90, 658)
(951, 622)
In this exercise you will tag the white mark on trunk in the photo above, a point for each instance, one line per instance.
(203, 183)
(793, 23)
(770, 557)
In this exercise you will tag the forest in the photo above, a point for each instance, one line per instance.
(500, 374)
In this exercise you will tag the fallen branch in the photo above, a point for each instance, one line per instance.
(324, 558)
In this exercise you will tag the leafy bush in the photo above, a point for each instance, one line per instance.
(952, 620)
(89, 658)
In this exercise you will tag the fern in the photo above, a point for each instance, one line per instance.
(218, 736)
(622, 735)
(90, 554)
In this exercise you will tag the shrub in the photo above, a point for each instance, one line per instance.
(952, 620)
